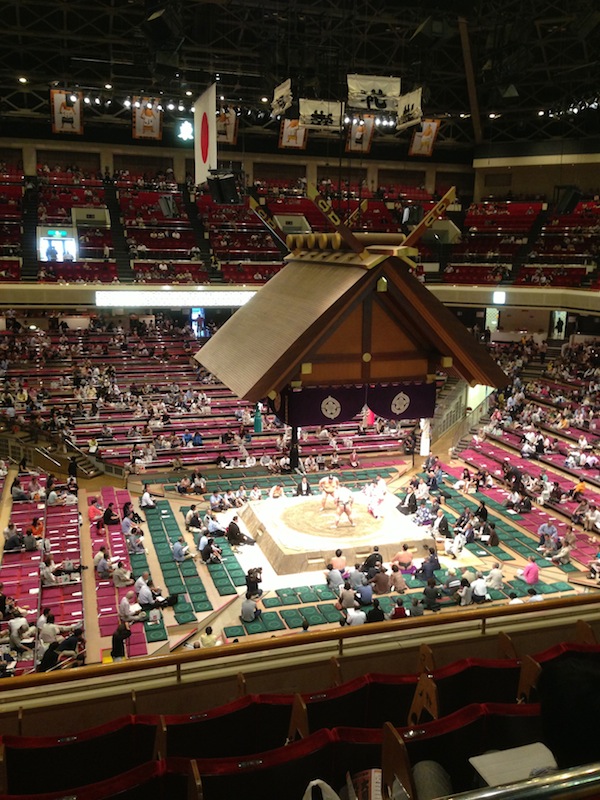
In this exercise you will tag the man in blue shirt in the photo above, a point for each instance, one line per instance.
(365, 595)
(181, 551)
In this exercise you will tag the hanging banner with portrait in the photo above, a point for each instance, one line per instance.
(227, 126)
(67, 111)
(292, 135)
(424, 139)
(360, 135)
(146, 119)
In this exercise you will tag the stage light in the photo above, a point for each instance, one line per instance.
(264, 99)
(149, 104)
(541, 113)
(180, 107)
(377, 121)
(499, 298)
(170, 106)
(97, 101)
(87, 101)
(222, 97)
(23, 79)
(127, 102)
(188, 93)
(346, 120)
(108, 102)
(108, 85)
(73, 98)
(137, 104)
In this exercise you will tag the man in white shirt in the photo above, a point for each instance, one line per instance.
(127, 608)
(355, 616)
(514, 600)
(147, 501)
(148, 598)
(479, 587)
(141, 581)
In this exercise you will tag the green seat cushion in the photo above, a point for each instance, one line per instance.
(326, 594)
(156, 633)
(292, 617)
(330, 612)
(256, 626)
(312, 615)
(234, 631)
(290, 600)
(272, 621)
(563, 586)
(307, 595)
(175, 586)
(285, 592)
(194, 584)
(272, 602)
(186, 617)
(201, 606)
(226, 590)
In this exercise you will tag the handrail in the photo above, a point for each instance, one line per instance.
(43, 452)
(572, 783)
(81, 453)
(339, 635)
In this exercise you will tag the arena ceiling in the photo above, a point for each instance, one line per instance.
(513, 70)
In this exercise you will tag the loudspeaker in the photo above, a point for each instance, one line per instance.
(223, 189)
(167, 206)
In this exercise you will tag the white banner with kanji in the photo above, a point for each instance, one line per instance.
(321, 114)
(282, 97)
(409, 110)
(376, 93)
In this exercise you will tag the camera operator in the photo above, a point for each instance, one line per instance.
(253, 578)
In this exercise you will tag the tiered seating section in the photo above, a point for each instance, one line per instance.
(210, 409)
(235, 233)
(495, 231)
(570, 238)
(56, 201)
(89, 271)
(10, 226)
(20, 570)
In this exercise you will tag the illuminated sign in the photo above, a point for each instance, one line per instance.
(168, 298)
(185, 131)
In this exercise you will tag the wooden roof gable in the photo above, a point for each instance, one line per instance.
(337, 317)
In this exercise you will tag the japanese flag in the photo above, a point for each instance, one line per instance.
(205, 134)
